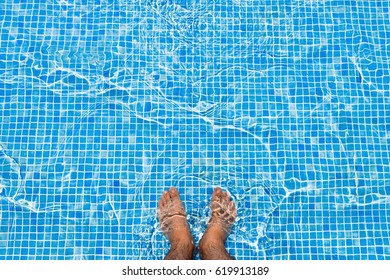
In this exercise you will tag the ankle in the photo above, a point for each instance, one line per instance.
(207, 242)
(215, 233)
(181, 238)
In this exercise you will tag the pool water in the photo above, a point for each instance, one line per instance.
(106, 104)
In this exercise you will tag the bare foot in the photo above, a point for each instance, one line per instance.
(174, 225)
(211, 246)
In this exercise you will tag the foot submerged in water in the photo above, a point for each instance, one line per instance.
(223, 215)
(174, 225)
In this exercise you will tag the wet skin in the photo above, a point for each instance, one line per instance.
(174, 225)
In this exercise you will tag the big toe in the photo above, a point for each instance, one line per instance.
(218, 195)
(173, 193)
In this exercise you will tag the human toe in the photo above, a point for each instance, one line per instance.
(173, 193)
(163, 200)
